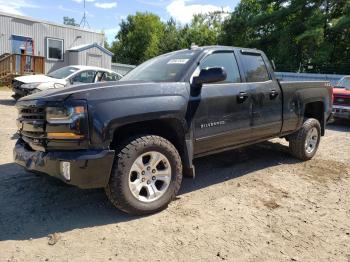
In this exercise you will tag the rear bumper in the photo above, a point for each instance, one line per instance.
(341, 111)
(88, 168)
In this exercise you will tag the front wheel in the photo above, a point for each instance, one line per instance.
(304, 143)
(146, 175)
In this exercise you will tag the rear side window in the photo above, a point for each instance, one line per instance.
(225, 60)
(255, 68)
(110, 77)
(84, 77)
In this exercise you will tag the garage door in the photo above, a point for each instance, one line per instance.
(94, 60)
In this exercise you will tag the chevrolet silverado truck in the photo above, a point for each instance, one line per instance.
(137, 137)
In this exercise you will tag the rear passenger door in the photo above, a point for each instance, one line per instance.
(265, 94)
(223, 110)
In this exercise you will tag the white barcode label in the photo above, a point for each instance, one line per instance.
(178, 61)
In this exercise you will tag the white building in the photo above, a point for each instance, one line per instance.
(29, 45)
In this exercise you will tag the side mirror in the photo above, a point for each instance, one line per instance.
(210, 75)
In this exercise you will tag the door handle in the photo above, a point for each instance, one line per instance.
(241, 97)
(273, 94)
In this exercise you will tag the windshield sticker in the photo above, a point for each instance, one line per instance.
(178, 61)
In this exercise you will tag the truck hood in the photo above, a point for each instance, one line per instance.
(38, 79)
(111, 90)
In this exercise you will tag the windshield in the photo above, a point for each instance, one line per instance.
(344, 83)
(63, 72)
(166, 68)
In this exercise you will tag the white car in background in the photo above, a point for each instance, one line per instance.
(63, 77)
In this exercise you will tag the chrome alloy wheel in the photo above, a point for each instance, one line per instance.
(149, 176)
(311, 140)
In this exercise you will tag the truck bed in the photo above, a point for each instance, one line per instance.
(296, 94)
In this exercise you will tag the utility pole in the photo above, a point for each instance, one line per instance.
(84, 22)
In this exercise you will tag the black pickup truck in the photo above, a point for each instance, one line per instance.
(137, 137)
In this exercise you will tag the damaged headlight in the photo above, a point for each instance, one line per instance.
(30, 85)
(35, 90)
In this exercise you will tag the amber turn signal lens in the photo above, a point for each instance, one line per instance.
(63, 136)
(79, 109)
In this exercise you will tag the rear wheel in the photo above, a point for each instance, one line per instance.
(146, 175)
(304, 143)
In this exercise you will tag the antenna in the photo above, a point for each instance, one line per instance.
(84, 22)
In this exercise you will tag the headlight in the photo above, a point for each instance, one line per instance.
(30, 85)
(67, 122)
(64, 114)
(35, 90)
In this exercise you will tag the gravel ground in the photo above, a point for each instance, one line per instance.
(252, 204)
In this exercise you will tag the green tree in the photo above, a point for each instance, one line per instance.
(144, 35)
(138, 39)
(69, 21)
(306, 35)
(239, 29)
(172, 38)
(203, 30)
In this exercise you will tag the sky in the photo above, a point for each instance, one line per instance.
(106, 15)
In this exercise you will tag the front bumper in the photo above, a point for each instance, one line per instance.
(341, 111)
(88, 168)
(19, 92)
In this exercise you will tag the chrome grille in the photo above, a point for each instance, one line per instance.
(33, 113)
(31, 125)
(341, 100)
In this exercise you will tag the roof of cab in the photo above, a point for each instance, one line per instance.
(221, 47)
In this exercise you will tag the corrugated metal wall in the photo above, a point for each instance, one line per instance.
(73, 58)
(122, 69)
(83, 58)
(39, 31)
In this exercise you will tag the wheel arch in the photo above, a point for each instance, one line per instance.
(316, 109)
(173, 129)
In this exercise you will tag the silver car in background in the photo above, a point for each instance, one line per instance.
(63, 77)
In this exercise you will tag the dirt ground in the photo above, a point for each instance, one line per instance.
(252, 204)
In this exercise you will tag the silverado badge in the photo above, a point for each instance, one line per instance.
(212, 124)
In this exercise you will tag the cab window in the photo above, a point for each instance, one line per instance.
(226, 60)
(255, 68)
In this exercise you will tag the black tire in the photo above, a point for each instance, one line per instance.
(297, 141)
(118, 191)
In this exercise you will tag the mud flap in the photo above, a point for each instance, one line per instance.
(188, 169)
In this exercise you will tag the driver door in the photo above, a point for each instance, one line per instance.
(222, 112)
